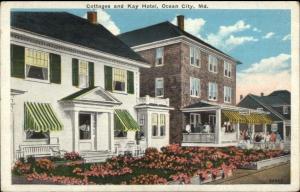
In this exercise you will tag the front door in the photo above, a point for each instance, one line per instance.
(86, 131)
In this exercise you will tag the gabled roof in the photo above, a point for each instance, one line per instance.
(73, 29)
(161, 31)
(95, 95)
(276, 98)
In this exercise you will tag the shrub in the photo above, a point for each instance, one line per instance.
(44, 165)
(21, 168)
(72, 156)
(147, 179)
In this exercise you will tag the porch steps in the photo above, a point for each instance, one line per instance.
(95, 156)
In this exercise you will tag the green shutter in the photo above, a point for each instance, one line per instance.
(75, 72)
(91, 74)
(130, 82)
(108, 78)
(17, 61)
(55, 68)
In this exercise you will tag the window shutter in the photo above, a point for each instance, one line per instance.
(75, 72)
(17, 61)
(108, 78)
(55, 68)
(91, 74)
(130, 82)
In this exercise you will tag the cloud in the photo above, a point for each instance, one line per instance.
(192, 26)
(225, 38)
(105, 19)
(265, 76)
(256, 29)
(268, 35)
(287, 37)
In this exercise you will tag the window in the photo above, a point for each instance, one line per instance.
(83, 74)
(37, 64)
(212, 91)
(159, 56)
(227, 94)
(37, 135)
(162, 125)
(159, 87)
(194, 87)
(154, 122)
(119, 80)
(227, 69)
(195, 122)
(85, 126)
(285, 110)
(194, 56)
(213, 64)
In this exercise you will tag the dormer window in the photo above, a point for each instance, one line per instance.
(159, 56)
(285, 110)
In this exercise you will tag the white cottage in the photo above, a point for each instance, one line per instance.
(75, 87)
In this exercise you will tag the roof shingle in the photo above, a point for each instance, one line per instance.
(73, 29)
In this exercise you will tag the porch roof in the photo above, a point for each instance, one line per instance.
(40, 117)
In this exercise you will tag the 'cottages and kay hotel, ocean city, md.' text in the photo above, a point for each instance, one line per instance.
(146, 6)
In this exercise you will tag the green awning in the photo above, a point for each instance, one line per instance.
(124, 121)
(40, 117)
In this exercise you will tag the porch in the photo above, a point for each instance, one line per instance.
(222, 125)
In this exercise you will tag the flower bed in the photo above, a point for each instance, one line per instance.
(173, 165)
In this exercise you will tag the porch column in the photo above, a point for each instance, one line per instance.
(238, 131)
(218, 131)
(75, 123)
(111, 131)
(148, 128)
(265, 129)
(252, 132)
(284, 131)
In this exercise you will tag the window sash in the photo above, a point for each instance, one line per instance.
(154, 123)
(159, 87)
(83, 74)
(213, 64)
(36, 64)
(159, 56)
(119, 76)
(212, 91)
(194, 86)
(194, 56)
(227, 69)
(227, 94)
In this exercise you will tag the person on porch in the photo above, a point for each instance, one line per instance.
(206, 127)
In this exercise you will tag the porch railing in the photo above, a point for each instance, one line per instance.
(199, 138)
(153, 100)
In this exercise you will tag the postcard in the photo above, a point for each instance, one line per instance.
(149, 96)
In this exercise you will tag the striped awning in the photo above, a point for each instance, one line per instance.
(124, 121)
(40, 117)
(252, 118)
(233, 116)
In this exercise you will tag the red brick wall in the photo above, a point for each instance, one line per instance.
(176, 72)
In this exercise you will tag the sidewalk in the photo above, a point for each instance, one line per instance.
(278, 174)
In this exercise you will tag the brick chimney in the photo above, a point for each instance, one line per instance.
(92, 17)
(241, 97)
(180, 22)
(262, 94)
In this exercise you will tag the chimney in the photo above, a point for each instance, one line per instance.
(261, 94)
(241, 97)
(180, 22)
(92, 17)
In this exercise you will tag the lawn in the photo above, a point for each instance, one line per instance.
(172, 164)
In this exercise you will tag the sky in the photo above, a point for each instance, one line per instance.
(259, 38)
